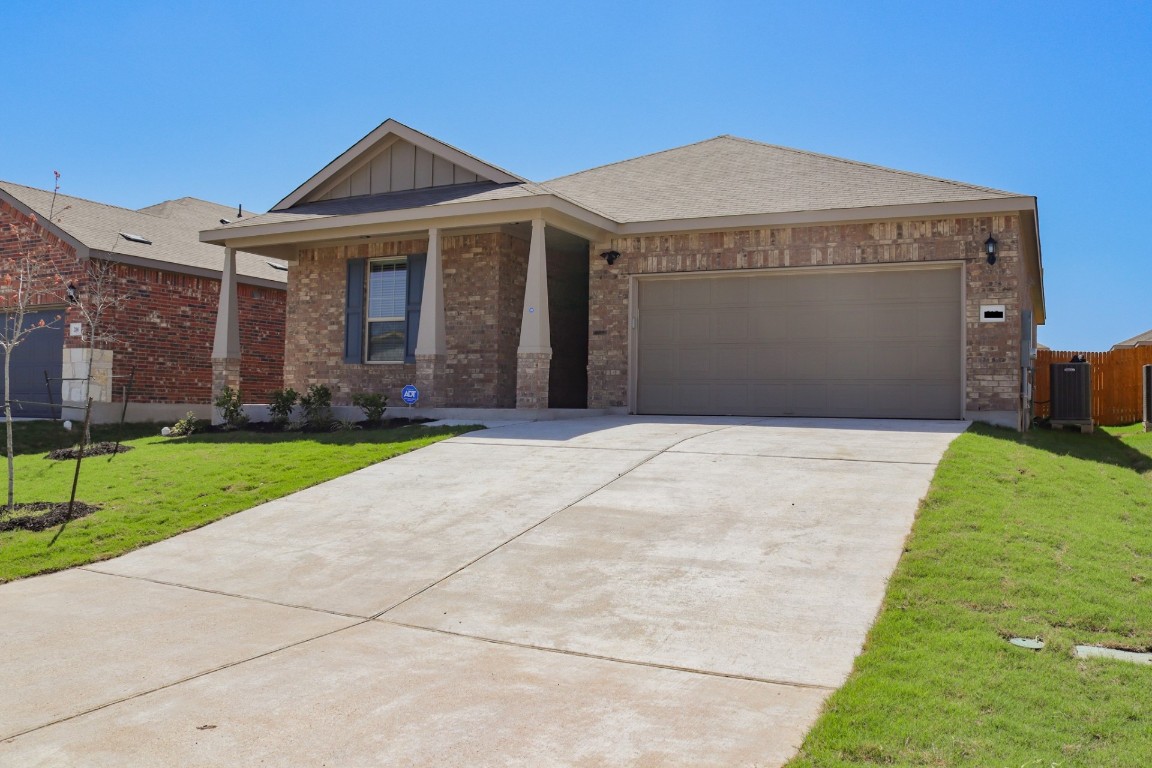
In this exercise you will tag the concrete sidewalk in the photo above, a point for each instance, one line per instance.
(602, 591)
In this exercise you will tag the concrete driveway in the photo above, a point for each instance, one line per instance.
(595, 592)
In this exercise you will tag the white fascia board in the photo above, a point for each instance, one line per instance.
(82, 250)
(831, 216)
(390, 126)
(447, 216)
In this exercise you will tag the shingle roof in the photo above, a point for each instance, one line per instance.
(394, 201)
(1140, 340)
(730, 176)
(173, 227)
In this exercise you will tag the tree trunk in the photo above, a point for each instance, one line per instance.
(8, 423)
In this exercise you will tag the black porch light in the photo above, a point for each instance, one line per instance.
(610, 257)
(990, 249)
(70, 293)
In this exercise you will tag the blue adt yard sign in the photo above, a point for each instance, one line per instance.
(410, 394)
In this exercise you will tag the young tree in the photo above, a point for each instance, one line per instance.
(97, 301)
(25, 283)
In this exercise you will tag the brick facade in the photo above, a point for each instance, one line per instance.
(165, 328)
(483, 292)
(993, 350)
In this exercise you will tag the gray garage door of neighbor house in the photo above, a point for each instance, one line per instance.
(852, 342)
(40, 352)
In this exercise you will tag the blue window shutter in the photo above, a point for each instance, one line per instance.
(354, 312)
(416, 264)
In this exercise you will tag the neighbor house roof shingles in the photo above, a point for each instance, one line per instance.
(173, 227)
(1139, 340)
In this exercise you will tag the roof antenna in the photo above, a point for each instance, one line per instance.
(240, 211)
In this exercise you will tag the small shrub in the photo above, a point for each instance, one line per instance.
(186, 426)
(373, 406)
(317, 406)
(280, 406)
(344, 425)
(231, 407)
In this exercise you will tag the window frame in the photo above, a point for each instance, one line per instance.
(369, 318)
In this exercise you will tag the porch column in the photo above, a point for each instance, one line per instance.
(534, 355)
(431, 349)
(226, 345)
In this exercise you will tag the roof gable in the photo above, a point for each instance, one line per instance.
(730, 176)
(394, 158)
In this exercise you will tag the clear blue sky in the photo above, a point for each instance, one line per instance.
(136, 102)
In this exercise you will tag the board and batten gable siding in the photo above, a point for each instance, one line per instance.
(398, 167)
(992, 351)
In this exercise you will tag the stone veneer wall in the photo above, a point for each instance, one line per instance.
(483, 291)
(993, 349)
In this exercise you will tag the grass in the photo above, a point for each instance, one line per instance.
(169, 485)
(1046, 535)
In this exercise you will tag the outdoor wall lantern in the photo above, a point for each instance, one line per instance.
(70, 293)
(990, 249)
(610, 257)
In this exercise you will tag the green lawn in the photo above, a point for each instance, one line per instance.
(168, 485)
(1047, 535)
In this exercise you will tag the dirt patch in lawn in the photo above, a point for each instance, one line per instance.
(40, 515)
(94, 449)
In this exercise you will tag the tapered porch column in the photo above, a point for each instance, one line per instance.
(226, 345)
(431, 349)
(534, 355)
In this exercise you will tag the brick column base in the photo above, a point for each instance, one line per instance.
(225, 373)
(430, 376)
(532, 379)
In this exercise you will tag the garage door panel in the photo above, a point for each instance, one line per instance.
(730, 325)
(693, 327)
(730, 361)
(40, 354)
(807, 323)
(730, 293)
(852, 323)
(693, 293)
(880, 343)
(933, 324)
(660, 294)
(767, 323)
(660, 327)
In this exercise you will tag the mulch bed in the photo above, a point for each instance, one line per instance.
(94, 449)
(268, 426)
(40, 515)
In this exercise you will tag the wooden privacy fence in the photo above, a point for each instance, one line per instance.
(1117, 383)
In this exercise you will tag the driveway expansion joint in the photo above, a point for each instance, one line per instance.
(221, 593)
(650, 455)
(181, 681)
(612, 659)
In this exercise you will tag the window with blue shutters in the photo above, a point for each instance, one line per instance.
(382, 316)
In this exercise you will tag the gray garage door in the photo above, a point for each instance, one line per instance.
(40, 351)
(872, 344)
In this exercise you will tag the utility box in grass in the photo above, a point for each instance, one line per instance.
(1071, 393)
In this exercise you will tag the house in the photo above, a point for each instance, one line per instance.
(164, 328)
(723, 277)
(1140, 340)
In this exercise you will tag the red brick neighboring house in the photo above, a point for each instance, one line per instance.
(723, 277)
(164, 330)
